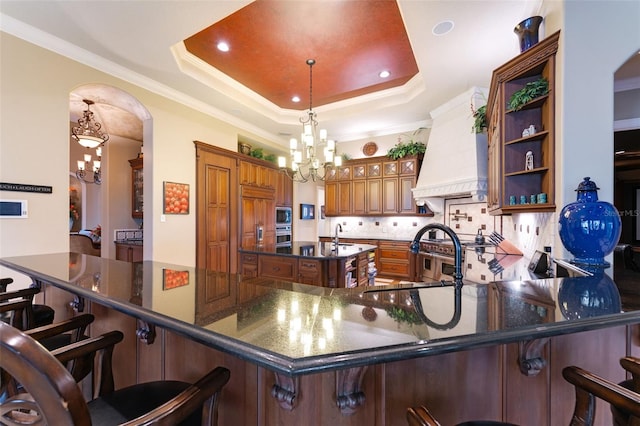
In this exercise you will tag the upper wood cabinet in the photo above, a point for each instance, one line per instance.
(137, 188)
(257, 175)
(521, 162)
(284, 190)
(372, 186)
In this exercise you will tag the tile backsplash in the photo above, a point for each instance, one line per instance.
(127, 234)
(527, 231)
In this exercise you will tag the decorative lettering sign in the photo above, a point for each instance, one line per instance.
(23, 187)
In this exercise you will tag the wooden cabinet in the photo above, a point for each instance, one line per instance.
(129, 252)
(284, 190)
(260, 175)
(311, 271)
(281, 267)
(522, 161)
(359, 198)
(249, 265)
(395, 260)
(137, 188)
(331, 198)
(258, 209)
(331, 272)
(373, 186)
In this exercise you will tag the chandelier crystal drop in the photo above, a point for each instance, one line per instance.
(88, 132)
(305, 165)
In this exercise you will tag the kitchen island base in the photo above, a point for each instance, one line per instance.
(484, 383)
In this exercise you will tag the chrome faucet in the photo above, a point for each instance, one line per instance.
(415, 248)
(336, 240)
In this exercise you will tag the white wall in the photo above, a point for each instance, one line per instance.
(597, 38)
(35, 86)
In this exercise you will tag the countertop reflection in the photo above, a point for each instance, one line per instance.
(296, 328)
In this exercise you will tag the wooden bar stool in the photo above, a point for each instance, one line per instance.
(37, 315)
(54, 397)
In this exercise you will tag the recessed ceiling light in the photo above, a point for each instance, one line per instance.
(223, 46)
(295, 99)
(442, 28)
(384, 74)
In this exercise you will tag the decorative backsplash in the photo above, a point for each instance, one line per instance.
(527, 231)
(127, 234)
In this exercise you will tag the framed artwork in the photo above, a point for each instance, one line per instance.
(176, 198)
(172, 278)
(307, 211)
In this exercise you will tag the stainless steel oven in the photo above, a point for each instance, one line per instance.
(283, 235)
(436, 261)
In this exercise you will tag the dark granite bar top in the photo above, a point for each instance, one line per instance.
(298, 329)
(311, 249)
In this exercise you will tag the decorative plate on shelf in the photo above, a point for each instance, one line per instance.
(369, 149)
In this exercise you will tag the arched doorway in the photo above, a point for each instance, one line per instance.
(107, 206)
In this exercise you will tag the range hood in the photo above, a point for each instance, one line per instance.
(455, 163)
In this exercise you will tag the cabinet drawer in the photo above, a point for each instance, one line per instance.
(277, 267)
(394, 268)
(250, 258)
(387, 253)
(309, 265)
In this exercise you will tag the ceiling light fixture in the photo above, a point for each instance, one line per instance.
(83, 166)
(223, 46)
(305, 166)
(442, 28)
(384, 74)
(87, 133)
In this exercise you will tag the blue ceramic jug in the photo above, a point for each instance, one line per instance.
(589, 228)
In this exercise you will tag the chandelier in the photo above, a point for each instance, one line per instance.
(87, 133)
(85, 165)
(305, 165)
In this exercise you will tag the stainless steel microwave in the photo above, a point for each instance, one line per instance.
(283, 216)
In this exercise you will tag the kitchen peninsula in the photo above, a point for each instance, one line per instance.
(317, 263)
(301, 354)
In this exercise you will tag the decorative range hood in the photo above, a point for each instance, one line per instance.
(455, 164)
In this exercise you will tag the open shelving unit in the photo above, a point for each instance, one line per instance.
(509, 173)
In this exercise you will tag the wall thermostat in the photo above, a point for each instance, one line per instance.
(13, 208)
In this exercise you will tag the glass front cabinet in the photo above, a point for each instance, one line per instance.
(137, 188)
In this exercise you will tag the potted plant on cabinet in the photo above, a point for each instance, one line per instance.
(402, 149)
(479, 119)
(530, 91)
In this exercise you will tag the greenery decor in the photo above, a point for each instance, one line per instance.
(531, 90)
(400, 315)
(479, 119)
(257, 153)
(402, 149)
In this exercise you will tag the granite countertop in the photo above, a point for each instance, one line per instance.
(132, 242)
(311, 249)
(343, 328)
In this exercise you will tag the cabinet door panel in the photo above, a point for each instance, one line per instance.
(344, 200)
(407, 206)
(390, 195)
(359, 197)
(374, 196)
(331, 198)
